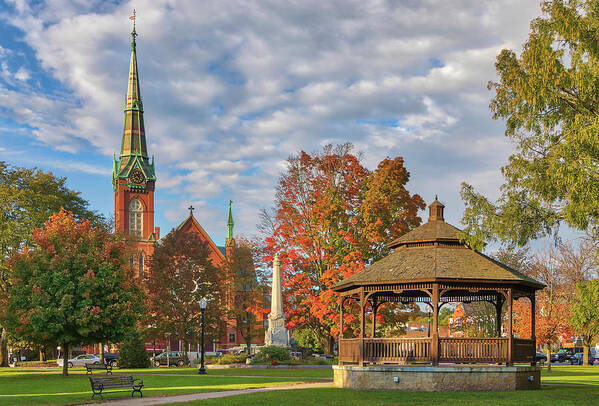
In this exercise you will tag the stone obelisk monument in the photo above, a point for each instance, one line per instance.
(276, 333)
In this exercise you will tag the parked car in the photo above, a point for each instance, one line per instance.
(80, 360)
(540, 357)
(111, 358)
(563, 356)
(174, 358)
(576, 359)
(554, 357)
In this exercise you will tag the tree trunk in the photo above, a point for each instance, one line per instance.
(585, 355)
(3, 348)
(248, 343)
(65, 359)
(42, 354)
(548, 358)
(101, 353)
(328, 350)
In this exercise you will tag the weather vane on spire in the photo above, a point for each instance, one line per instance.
(133, 18)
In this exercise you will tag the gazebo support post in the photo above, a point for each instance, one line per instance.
(532, 324)
(341, 327)
(375, 307)
(362, 326)
(510, 334)
(498, 306)
(435, 326)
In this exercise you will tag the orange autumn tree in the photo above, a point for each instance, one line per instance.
(332, 216)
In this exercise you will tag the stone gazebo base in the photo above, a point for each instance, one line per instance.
(458, 378)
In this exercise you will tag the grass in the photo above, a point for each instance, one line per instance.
(568, 385)
(347, 397)
(46, 386)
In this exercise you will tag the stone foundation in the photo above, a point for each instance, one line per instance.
(438, 378)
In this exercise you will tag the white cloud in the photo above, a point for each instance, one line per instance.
(232, 88)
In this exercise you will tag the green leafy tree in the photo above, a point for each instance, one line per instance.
(306, 339)
(548, 97)
(584, 314)
(132, 353)
(73, 287)
(444, 315)
(27, 199)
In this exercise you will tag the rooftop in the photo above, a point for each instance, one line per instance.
(434, 252)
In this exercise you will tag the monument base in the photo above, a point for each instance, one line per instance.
(459, 378)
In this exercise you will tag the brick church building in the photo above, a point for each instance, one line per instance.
(134, 182)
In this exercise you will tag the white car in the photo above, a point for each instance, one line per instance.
(80, 360)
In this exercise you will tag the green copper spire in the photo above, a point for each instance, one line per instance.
(230, 222)
(134, 152)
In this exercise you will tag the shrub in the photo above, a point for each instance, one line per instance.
(307, 339)
(230, 359)
(132, 353)
(270, 354)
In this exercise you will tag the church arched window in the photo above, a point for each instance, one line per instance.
(140, 264)
(135, 218)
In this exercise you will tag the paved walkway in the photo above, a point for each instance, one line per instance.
(307, 378)
(167, 400)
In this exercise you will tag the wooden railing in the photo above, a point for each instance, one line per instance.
(473, 349)
(349, 350)
(396, 350)
(523, 350)
(401, 350)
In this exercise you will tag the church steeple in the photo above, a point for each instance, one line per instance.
(133, 176)
(230, 241)
(230, 222)
(133, 158)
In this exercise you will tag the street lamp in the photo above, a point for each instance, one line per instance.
(202, 370)
(153, 326)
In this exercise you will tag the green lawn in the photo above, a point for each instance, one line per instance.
(577, 386)
(548, 396)
(32, 387)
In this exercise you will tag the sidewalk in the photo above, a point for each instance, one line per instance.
(167, 400)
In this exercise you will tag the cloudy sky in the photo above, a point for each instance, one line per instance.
(232, 88)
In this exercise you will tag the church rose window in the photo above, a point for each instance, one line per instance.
(135, 218)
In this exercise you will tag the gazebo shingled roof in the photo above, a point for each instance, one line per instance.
(434, 252)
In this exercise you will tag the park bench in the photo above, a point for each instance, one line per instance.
(90, 367)
(101, 383)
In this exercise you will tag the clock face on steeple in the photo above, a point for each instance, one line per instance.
(137, 176)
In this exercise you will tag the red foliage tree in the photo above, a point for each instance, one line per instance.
(180, 275)
(333, 216)
(74, 287)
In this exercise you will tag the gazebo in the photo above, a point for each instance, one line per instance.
(430, 265)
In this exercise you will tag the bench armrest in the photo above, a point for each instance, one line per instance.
(139, 383)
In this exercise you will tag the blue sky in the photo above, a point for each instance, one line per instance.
(232, 88)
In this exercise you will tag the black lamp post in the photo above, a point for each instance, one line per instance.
(202, 370)
(429, 324)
